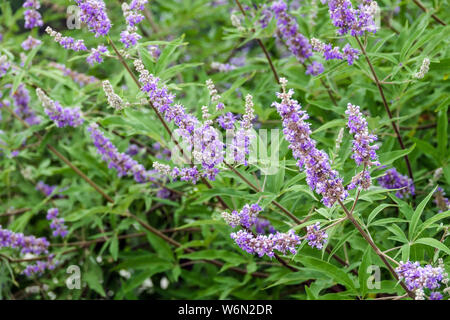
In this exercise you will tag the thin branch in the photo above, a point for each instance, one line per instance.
(266, 53)
(378, 252)
(386, 107)
(421, 6)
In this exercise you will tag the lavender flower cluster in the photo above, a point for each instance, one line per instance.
(93, 13)
(80, 78)
(32, 16)
(133, 16)
(202, 137)
(30, 43)
(394, 180)
(350, 20)
(259, 244)
(46, 189)
(67, 43)
(57, 224)
(266, 244)
(227, 121)
(121, 162)
(419, 278)
(246, 218)
(4, 65)
(319, 175)
(296, 42)
(26, 244)
(442, 202)
(70, 43)
(40, 267)
(316, 237)
(329, 52)
(21, 99)
(240, 144)
(363, 152)
(63, 117)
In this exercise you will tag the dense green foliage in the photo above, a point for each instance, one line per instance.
(117, 254)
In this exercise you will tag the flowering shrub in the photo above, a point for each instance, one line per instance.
(224, 150)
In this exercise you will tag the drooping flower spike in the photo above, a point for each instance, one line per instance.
(319, 175)
(394, 180)
(66, 42)
(32, 16)
(364, 153)
(22, 103)
(93, 13)
(122, 162)
(297, 43)
(63, 117)
(329, 52)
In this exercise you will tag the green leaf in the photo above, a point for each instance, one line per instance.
(433, 243)
(335, 273)
(362, 271)
(417, 213)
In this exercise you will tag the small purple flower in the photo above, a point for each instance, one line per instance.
(26, 244)
(316, 237)
(436, 296)
(62, 117)
(93, 13)
(68, 43)
(4, 65)
(96, 55)
(22, 102)
(227, 121)
(246, 218)
(297, 43)
(122, 162)
(350, 54)
(394, 180)
(314, 69)
(418, 277)
(266, 244)
(30, 43)
(129, 38)
(46, 189)
(40, 267)
(154, 50)
(33, 19)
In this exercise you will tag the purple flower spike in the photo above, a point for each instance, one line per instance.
(121, 162)
(63, 117)
(297, 43)
(319, 175)
(93, 13)
(363, 152)
(394, 180)
(316, 238)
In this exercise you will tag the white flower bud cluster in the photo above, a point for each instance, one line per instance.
(423, 69)
(249, 112)
(114, 100)
(317, 45)
(162, 168)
